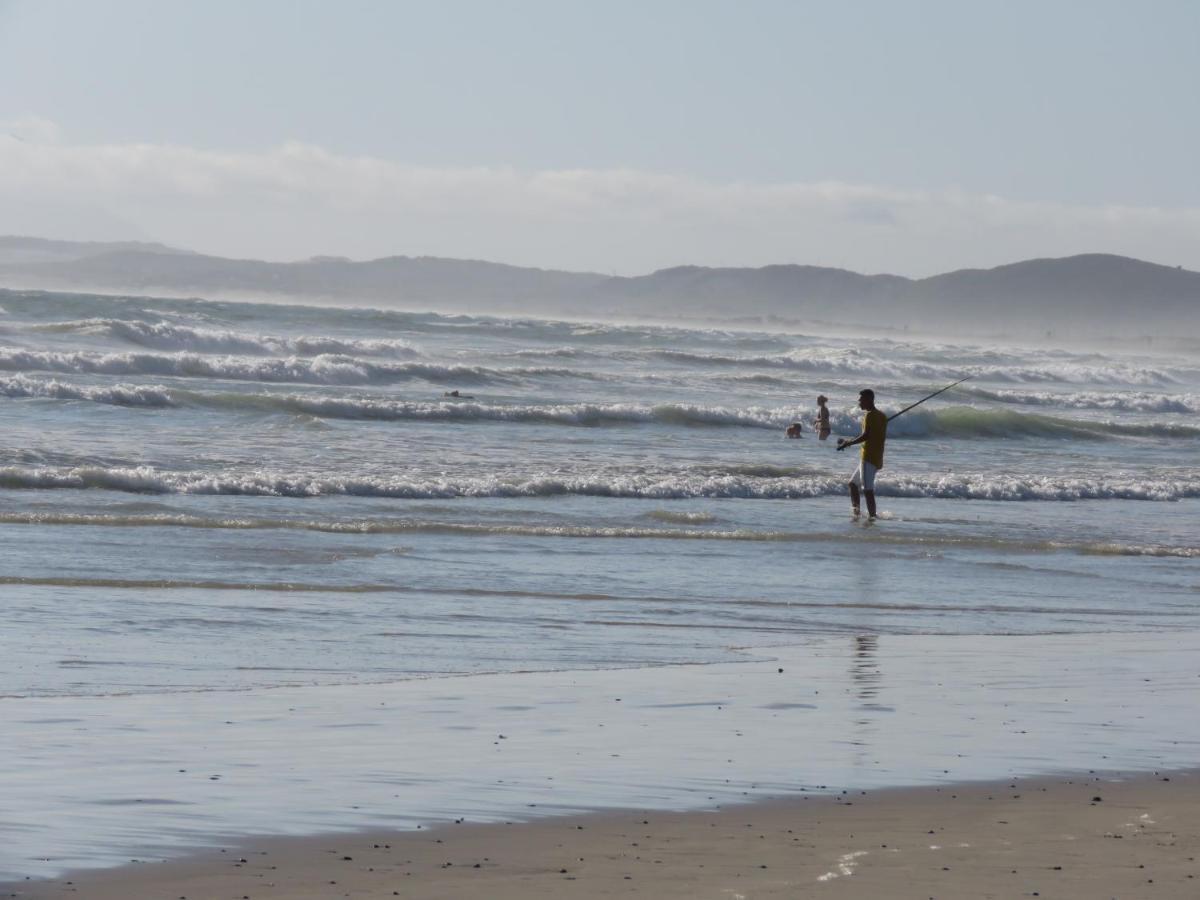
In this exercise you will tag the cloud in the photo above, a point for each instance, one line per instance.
(296, 200)
(31, 129)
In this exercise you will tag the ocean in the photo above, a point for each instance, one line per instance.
(208, 499)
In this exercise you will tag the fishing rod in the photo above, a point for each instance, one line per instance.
(930, 397)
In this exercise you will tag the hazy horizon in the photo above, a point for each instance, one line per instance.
(159, 246)
(876, 139)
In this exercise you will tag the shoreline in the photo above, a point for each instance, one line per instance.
(93, 782)
(1083, 836)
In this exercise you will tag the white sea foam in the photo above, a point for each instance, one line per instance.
(956, 421)
(152, 396)
(663, 485)
(1114, 401)
(849, 361)
(163, 335)
(972, 422)
(578, 414)
(552, 352)
(322, 369)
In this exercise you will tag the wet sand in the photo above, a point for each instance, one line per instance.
(1070, 837)
(91, 782)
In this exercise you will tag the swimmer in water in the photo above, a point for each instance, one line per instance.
(821, 422)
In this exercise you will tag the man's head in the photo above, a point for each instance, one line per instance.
(866, 399)
(822, 400)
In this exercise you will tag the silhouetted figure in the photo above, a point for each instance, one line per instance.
(821, 422)
(874, 434)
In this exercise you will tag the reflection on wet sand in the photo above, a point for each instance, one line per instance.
(865, 677)
(160, 774)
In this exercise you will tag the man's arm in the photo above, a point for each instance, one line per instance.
(843, 443)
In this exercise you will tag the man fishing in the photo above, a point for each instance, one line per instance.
(873, 437)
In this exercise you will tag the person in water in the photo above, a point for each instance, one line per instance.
(821, 422)
(794, 430)
(874, 434)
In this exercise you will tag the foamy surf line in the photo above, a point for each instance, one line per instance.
(409, 526)
(667, 485)
(1110, 401)
(327, 368)
(521, 746)
(954, 421)
(365, 408)
(850, 362)
(163, 335)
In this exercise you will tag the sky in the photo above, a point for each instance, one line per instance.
(611, 136)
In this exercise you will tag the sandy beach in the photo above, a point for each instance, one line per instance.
(94, 782)
(1081, 837)
(828, 769)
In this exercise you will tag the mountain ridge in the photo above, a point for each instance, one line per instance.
(1083, 291)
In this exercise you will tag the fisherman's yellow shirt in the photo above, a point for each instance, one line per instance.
(875, 428)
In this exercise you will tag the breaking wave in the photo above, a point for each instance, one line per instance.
(553, 353)
(1126, 401)
(962, 422)
(665, 485)
(169, 336)
(971, 422)
(579, 414)
(149, 396)
(321, 369)
(845, 362)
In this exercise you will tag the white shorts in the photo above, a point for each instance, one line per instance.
(864, 476)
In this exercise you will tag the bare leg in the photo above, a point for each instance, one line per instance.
(854, 498)
(870, 495)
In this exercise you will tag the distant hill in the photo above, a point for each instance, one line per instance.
(393, 280)
(1116, 288)
(1090, 294)
(781, 290)
(16, 251)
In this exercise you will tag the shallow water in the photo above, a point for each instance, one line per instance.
(200, 496)
(98, 781)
